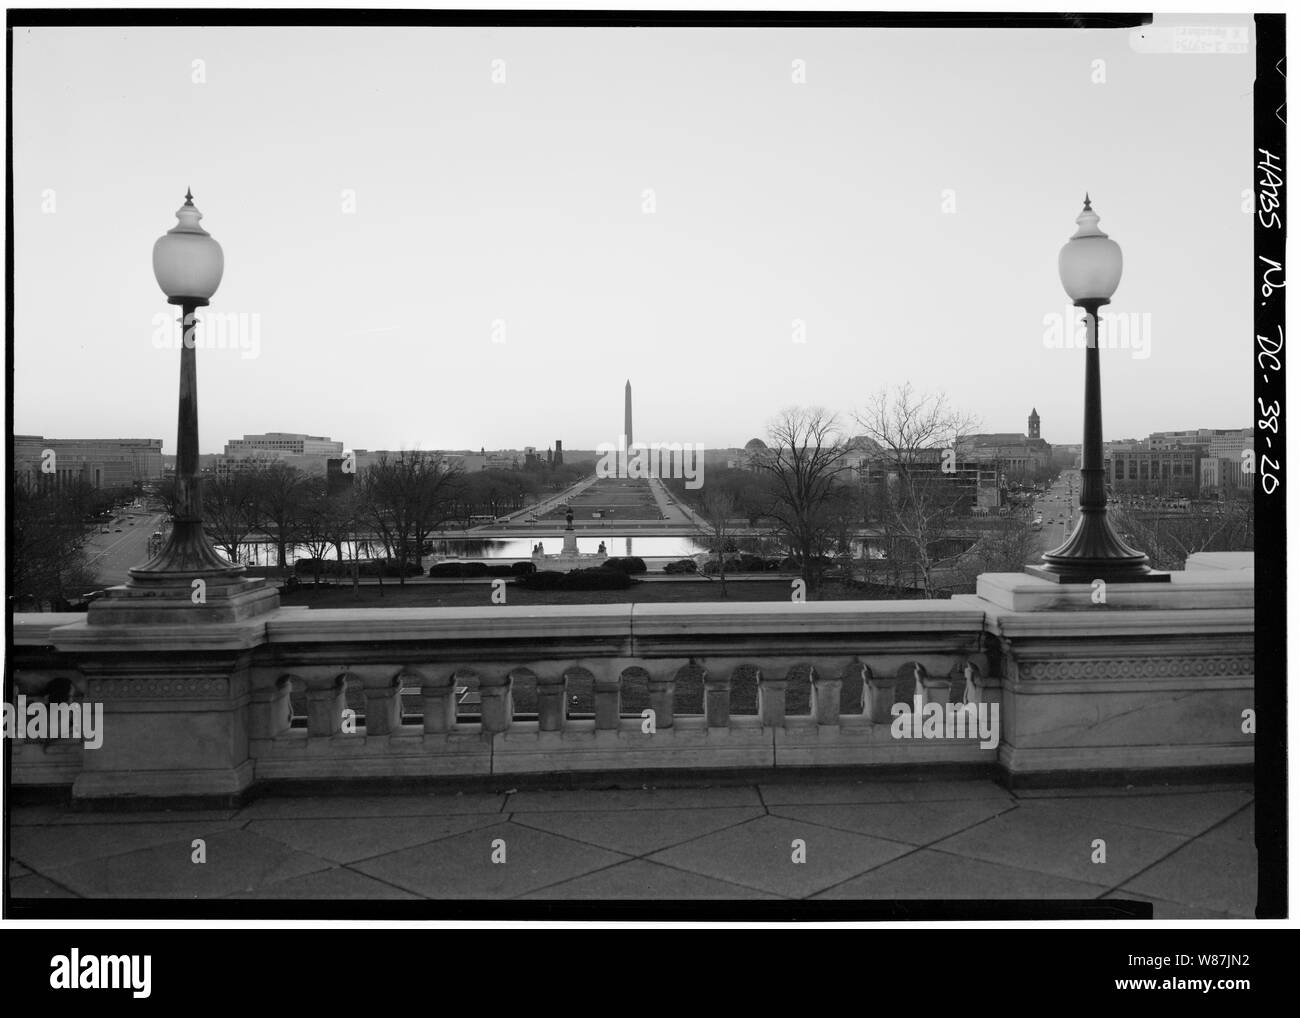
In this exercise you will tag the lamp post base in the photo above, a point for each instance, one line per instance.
(1095, 552)
(1081, 572)
(187, 583)
(183, 601)
(187, 555)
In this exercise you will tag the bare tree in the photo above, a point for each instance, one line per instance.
(1005, 546)
(805, 462)
(47, 529)
(318, 528)
(281, 494)
(915, 468)
(230, 510)
(406, 499)
(715, 529)
(1169, 538)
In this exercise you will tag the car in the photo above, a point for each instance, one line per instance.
(103, 530)
(118, 530)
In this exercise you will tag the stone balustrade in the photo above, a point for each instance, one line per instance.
(1151, 679)
(383, 654)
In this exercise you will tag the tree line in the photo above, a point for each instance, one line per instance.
(393, 505)
(811, 489)
(48, 565)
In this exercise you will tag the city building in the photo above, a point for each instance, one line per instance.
(1224, 473)
(973, 485)
(315, 464)
(1012, 454)
(286, 443)
(1229, 444)
(100, 462)
(1160, 462)
(1218, 442)
(1140, 468)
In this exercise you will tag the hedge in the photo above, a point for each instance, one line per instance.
(368, 567)
(628, 564)
(576, 579)
(469, 570)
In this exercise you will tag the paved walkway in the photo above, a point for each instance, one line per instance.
(1188, 849)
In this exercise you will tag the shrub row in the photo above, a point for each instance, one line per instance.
(682, 565)
(630, 564)
(369, 567)
(463, 570)
(576, 579)
(749, 564)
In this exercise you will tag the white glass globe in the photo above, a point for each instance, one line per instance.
(1090, 263)
(187, 261)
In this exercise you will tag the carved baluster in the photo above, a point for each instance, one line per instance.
(325, 707)
(661, 688)
(498, 705)
(827, 692)
(976, 685)
(607, 690)
(279, 708)
(552, 693)
(937, 688)
(383, 708)
(439, 695)
(717, 699)
(878, 697)
(771, 700)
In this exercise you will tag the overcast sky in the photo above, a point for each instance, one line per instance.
(500, 275)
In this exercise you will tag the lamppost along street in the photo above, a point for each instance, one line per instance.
(188, 264)
(1090, 266)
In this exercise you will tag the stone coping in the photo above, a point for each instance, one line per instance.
(1204, 588)
(1203, 600)
(32, 629)
(1220, 561)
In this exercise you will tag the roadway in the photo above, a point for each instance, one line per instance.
(110, 555)
(1059, 507)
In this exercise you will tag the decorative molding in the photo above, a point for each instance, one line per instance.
(124, 689)
(1136, 668)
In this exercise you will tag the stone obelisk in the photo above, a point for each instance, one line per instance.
(627, 414)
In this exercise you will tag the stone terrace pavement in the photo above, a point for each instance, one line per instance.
(1188, 849)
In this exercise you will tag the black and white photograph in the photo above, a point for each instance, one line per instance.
(590, 464)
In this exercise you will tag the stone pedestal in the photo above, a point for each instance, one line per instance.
(569, 557)
(185, 601)
(170, 662)
(175, 709)
(1122, 680)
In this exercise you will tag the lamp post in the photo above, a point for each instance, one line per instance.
(1090, 266)
(188, 263)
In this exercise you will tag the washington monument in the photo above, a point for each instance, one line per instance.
(627, 413)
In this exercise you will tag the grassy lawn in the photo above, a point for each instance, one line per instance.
(628, 499)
